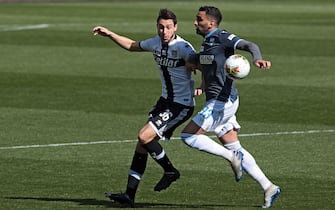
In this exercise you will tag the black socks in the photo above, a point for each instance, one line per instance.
(158, 154)
(137, 168)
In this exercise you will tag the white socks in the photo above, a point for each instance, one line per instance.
(250, 165)
(206, 144)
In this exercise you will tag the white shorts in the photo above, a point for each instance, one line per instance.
(218, 117)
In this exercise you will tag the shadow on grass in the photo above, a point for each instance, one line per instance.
(111, 204)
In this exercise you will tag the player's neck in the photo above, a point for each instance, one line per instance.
(211, 32)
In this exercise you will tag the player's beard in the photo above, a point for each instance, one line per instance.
(198, 31)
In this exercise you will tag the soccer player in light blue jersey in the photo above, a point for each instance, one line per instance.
(218, 114)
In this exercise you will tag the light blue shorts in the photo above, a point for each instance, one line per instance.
(218, 117)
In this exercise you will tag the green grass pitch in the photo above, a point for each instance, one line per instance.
(60, 85)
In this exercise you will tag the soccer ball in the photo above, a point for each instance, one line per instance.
(237, 67)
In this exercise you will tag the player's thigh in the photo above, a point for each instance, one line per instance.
(193, 128)
(147, 134)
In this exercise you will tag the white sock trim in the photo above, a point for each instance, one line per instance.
(134, 174)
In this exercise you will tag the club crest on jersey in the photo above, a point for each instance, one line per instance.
(211, 41)
(174, 53)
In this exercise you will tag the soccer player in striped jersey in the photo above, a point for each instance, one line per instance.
(218, 114)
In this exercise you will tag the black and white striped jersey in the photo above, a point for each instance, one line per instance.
(177, 82)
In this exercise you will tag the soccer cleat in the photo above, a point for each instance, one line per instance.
(237, 166)
(167, 179)
(121, 198)
(270, 195)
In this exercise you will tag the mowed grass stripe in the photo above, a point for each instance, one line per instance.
(127, 141)
(114, 95)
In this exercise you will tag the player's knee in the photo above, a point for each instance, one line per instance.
(144, 137)
(141, 140)
(188, 139)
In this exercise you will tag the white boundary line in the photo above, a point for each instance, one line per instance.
(23, 27)
(126, 141)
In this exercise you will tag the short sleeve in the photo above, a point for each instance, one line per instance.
(186, 50)
(148, 44)
(229, 40)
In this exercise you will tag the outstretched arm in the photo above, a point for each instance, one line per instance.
(122, 41)
(255, 52)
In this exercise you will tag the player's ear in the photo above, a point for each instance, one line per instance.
(175, 27)
(212, 23)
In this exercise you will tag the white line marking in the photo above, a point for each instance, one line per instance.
(23, 27)
(126, 141)
(288, 133)
(67, 144)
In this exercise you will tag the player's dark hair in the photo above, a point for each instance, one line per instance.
(212, 12)
(166, 14)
